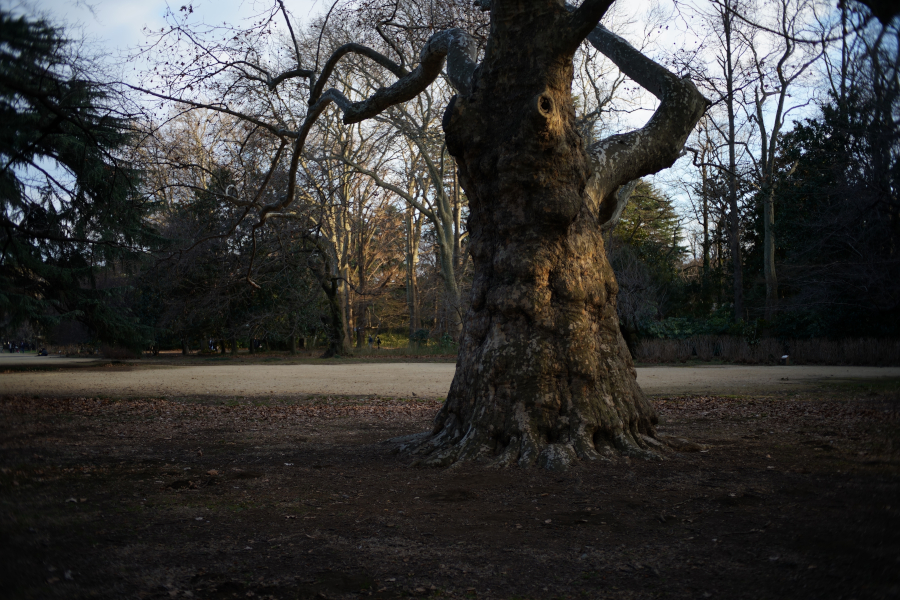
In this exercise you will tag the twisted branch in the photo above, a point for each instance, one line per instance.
(621, 158)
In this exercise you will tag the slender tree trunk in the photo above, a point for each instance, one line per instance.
(335, 327)
(845, 56)
(338, 344)
(704, 198)
(361, 304)
(346, 295)
(704, 282)
(345, 236)
(734, 217)
(769, 253)
(413, 235)
(457, 228)
(452, 301)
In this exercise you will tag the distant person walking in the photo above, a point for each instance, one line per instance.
(378, 341)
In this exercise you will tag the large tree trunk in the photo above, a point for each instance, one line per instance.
(543, 374)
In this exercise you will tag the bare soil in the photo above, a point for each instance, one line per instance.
(797, 495)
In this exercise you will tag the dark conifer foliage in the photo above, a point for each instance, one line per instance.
(71, 217)
(840, 223)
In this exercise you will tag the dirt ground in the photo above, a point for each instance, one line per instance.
(296, 496)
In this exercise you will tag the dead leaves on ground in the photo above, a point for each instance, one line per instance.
(176, 416)
(783, 411)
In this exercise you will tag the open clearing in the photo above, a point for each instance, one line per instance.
(55, 376)
(114, 488)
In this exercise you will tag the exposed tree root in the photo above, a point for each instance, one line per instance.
(525, 442)
(439, 450)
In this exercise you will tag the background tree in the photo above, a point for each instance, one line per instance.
(646, 253)
(72, 215)
(789, 51)
(840, 173)
(723, 69)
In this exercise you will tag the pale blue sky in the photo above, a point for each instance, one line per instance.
(117, 24)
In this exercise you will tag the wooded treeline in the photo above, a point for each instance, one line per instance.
(797, 194)
(783, 219)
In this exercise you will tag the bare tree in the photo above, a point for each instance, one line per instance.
(543, 375)
(791, 49)
(424, 165)
(723, 68)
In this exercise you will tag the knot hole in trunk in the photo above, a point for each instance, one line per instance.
(545, 104)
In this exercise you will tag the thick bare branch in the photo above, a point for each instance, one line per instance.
(342, 51)
(273, 82)
(625, 157)
(460, 49)
(611, 210)
(289, 194)
(454, 42)
(453, 45)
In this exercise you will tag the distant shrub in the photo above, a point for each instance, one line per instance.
(419, 337)
(118, 353)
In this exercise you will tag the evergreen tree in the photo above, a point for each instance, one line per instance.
(72, 220)
(840, 224)
(646, 254)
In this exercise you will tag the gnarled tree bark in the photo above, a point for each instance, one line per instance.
(543, 374)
